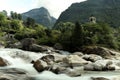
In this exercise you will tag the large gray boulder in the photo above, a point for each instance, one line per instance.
(75, 60)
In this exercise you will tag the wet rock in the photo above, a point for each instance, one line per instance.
(49, 59)
(13, 74)
(3, 62)
(75, 60)
(92, 57)
(58, 57)
(58, 68)
(89, 67)
(101, 51)
(73, 73)
(99, 78)
(40, 65)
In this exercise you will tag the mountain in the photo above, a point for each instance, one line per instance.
(107, 11)
(41, 16)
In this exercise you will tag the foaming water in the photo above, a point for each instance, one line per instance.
(46, 75)
(21, 59)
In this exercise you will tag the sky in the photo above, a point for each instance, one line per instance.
(55, 7)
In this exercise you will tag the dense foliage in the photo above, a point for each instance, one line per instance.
(72, 36)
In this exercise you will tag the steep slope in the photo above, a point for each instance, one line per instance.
(41, 16)
(107, 11)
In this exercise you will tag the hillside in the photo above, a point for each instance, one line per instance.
(107, 11)
(41, 16)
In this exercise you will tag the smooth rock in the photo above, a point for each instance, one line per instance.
(92, 57)
(40, 65)
(75, 60)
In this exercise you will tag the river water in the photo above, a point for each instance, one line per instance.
(21, 59)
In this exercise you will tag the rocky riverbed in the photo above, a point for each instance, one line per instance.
(93, 63)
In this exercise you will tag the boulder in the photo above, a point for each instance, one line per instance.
(58, 57)
(3, 62)
(99, 78)
(104, 65)
(92, 57)
(40, 65)
(37, 48)
(27, 42)
(74, 60)
(58, 68)
(14, 74)
(101, 51)
(49, 59)
(73, 73)
(89, 67)
(101, 65)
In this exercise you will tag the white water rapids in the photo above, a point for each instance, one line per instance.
(21, 59)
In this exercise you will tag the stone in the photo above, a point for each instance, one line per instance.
(101, 51)
(27, 42)
(3, 62)
(49, 59)
(75, 60)
(58, 57)
(40, 65)
(99, 78)
(37, 48)
(92, 57)
(89, 67)
(14, 74)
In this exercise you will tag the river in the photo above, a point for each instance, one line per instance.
(21, 59)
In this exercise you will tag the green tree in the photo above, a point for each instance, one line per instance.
(30, 22)
(77, 36)
(19, 17)
(2, 17)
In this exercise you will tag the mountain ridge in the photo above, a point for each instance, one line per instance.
(107, 11)
(41, 16)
